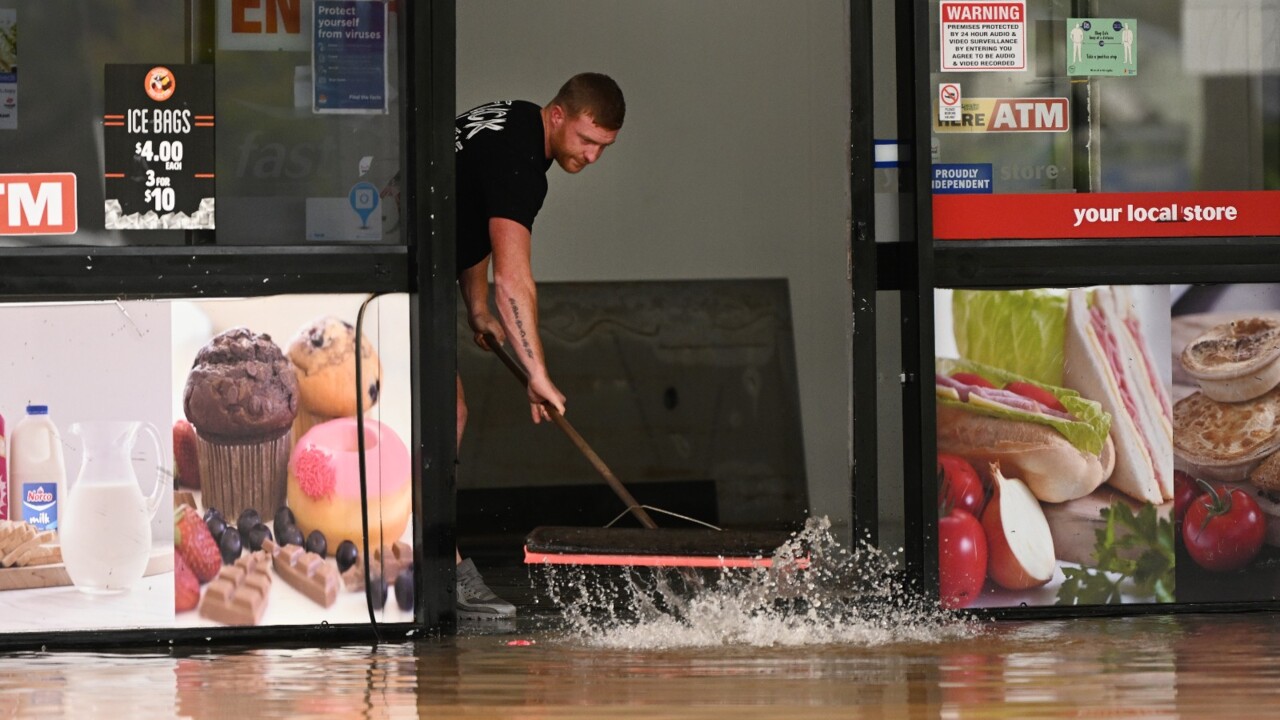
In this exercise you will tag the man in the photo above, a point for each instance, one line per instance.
(503, 151)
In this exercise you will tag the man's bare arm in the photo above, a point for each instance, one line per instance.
(474, 285)
(517, 298)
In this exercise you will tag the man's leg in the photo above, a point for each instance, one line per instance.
(474, 599)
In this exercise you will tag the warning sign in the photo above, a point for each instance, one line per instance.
(1009, 115)
(983, 36)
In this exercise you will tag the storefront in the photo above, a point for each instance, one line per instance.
(1088, 274)
(1094, 215)
(206, 204)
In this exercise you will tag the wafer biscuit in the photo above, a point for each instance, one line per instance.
(39, 555)
(21, 544)
(25, 547)
(14, 533)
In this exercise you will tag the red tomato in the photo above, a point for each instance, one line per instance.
(1037, 393)
(1223, 529)
(962, 559)
(1185, 490)
(959, 485)
(972, 379)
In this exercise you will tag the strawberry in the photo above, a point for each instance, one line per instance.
(195, 543)
(186, 464)
(186, 588)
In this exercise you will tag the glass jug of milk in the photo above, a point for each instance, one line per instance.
(106, 528)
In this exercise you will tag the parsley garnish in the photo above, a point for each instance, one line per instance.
(1143, 555)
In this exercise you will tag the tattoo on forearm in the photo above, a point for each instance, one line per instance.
(524, 337)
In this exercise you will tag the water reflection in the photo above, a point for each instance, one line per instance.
(1166, 666)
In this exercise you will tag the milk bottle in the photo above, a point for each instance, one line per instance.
(37, 474)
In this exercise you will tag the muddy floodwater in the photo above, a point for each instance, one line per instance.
(1185, 666)
(840, 639)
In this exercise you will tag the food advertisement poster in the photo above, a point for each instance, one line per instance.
(1055, 447)
(127, 424)
(1226, 424)
(86, 543)
(266, 456)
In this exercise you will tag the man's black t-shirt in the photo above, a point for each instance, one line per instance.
(501, 172)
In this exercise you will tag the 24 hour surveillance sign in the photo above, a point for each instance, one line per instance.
(983, 36)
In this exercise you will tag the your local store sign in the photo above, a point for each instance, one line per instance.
(1106, 215)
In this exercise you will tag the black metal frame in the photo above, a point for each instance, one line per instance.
(864, 473)
(423, 268)
(916, 286)
(918, 264)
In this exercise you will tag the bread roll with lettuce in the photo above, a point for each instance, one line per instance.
(1057, 444)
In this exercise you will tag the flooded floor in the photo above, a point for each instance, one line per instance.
(1180, 666)
(837, 636)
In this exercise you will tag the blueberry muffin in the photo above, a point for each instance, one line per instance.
(324, 357)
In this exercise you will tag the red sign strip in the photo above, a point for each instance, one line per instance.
(38, 204)
(1106, 215)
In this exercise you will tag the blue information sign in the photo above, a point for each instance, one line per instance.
(961, 178)
(349, 56)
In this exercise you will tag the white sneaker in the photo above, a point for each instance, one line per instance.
(475, 600)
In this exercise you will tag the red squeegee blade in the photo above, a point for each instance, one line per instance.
(640, 547)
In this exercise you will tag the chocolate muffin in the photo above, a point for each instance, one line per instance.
(324, 355)
(242, 397)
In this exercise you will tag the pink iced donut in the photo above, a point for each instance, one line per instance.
(324, 482)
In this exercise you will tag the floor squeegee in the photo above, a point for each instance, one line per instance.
(648, 546)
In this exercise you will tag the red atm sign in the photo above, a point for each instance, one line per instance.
(38, 204)
(1009, 115)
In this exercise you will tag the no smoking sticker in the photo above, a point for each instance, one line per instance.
(949, 102)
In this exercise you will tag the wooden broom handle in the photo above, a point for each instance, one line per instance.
(578, 442)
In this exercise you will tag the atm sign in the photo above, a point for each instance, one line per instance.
(38, 204)
(1009, 115)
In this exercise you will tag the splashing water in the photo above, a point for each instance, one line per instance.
(840, 596)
